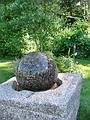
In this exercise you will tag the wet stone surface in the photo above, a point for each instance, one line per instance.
(37, 72)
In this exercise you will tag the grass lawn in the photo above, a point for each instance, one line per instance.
(84, 111)
(7, 71)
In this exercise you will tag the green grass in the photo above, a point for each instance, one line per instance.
(6, 72)
(84, 111)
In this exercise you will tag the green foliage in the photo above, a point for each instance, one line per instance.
(25, 17)
(76, 34)
(84, 110)
(45, 24)
(11, 35)
(66, 65)
(49, 53)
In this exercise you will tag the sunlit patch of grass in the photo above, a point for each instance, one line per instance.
(5, 64)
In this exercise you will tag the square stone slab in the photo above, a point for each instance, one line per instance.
(61, 103)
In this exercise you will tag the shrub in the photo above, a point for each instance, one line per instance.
(12, 46)
(70, 36)
(12, 42)
(66, 65)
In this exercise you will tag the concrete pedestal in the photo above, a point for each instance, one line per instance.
(61, 103)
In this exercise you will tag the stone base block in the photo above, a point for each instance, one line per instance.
(61, 103)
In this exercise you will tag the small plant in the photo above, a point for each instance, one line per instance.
(66, 65)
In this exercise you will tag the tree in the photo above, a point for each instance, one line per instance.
(42, 20)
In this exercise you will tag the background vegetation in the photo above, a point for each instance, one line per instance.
(58, 27)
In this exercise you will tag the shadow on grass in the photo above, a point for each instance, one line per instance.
(83, 113)
(6, 71)
(5, 74)
(83, 62)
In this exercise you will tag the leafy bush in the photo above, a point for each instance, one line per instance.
(74, 35)
(12, 44)
(66, 65)
(12, 31)
(25, 17)
(45, 25)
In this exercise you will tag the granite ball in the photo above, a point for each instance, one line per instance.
(36, 71)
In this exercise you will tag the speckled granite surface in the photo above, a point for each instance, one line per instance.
(61, 103)
(36, 71)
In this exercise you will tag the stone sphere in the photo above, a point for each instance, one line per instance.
(36, 71)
